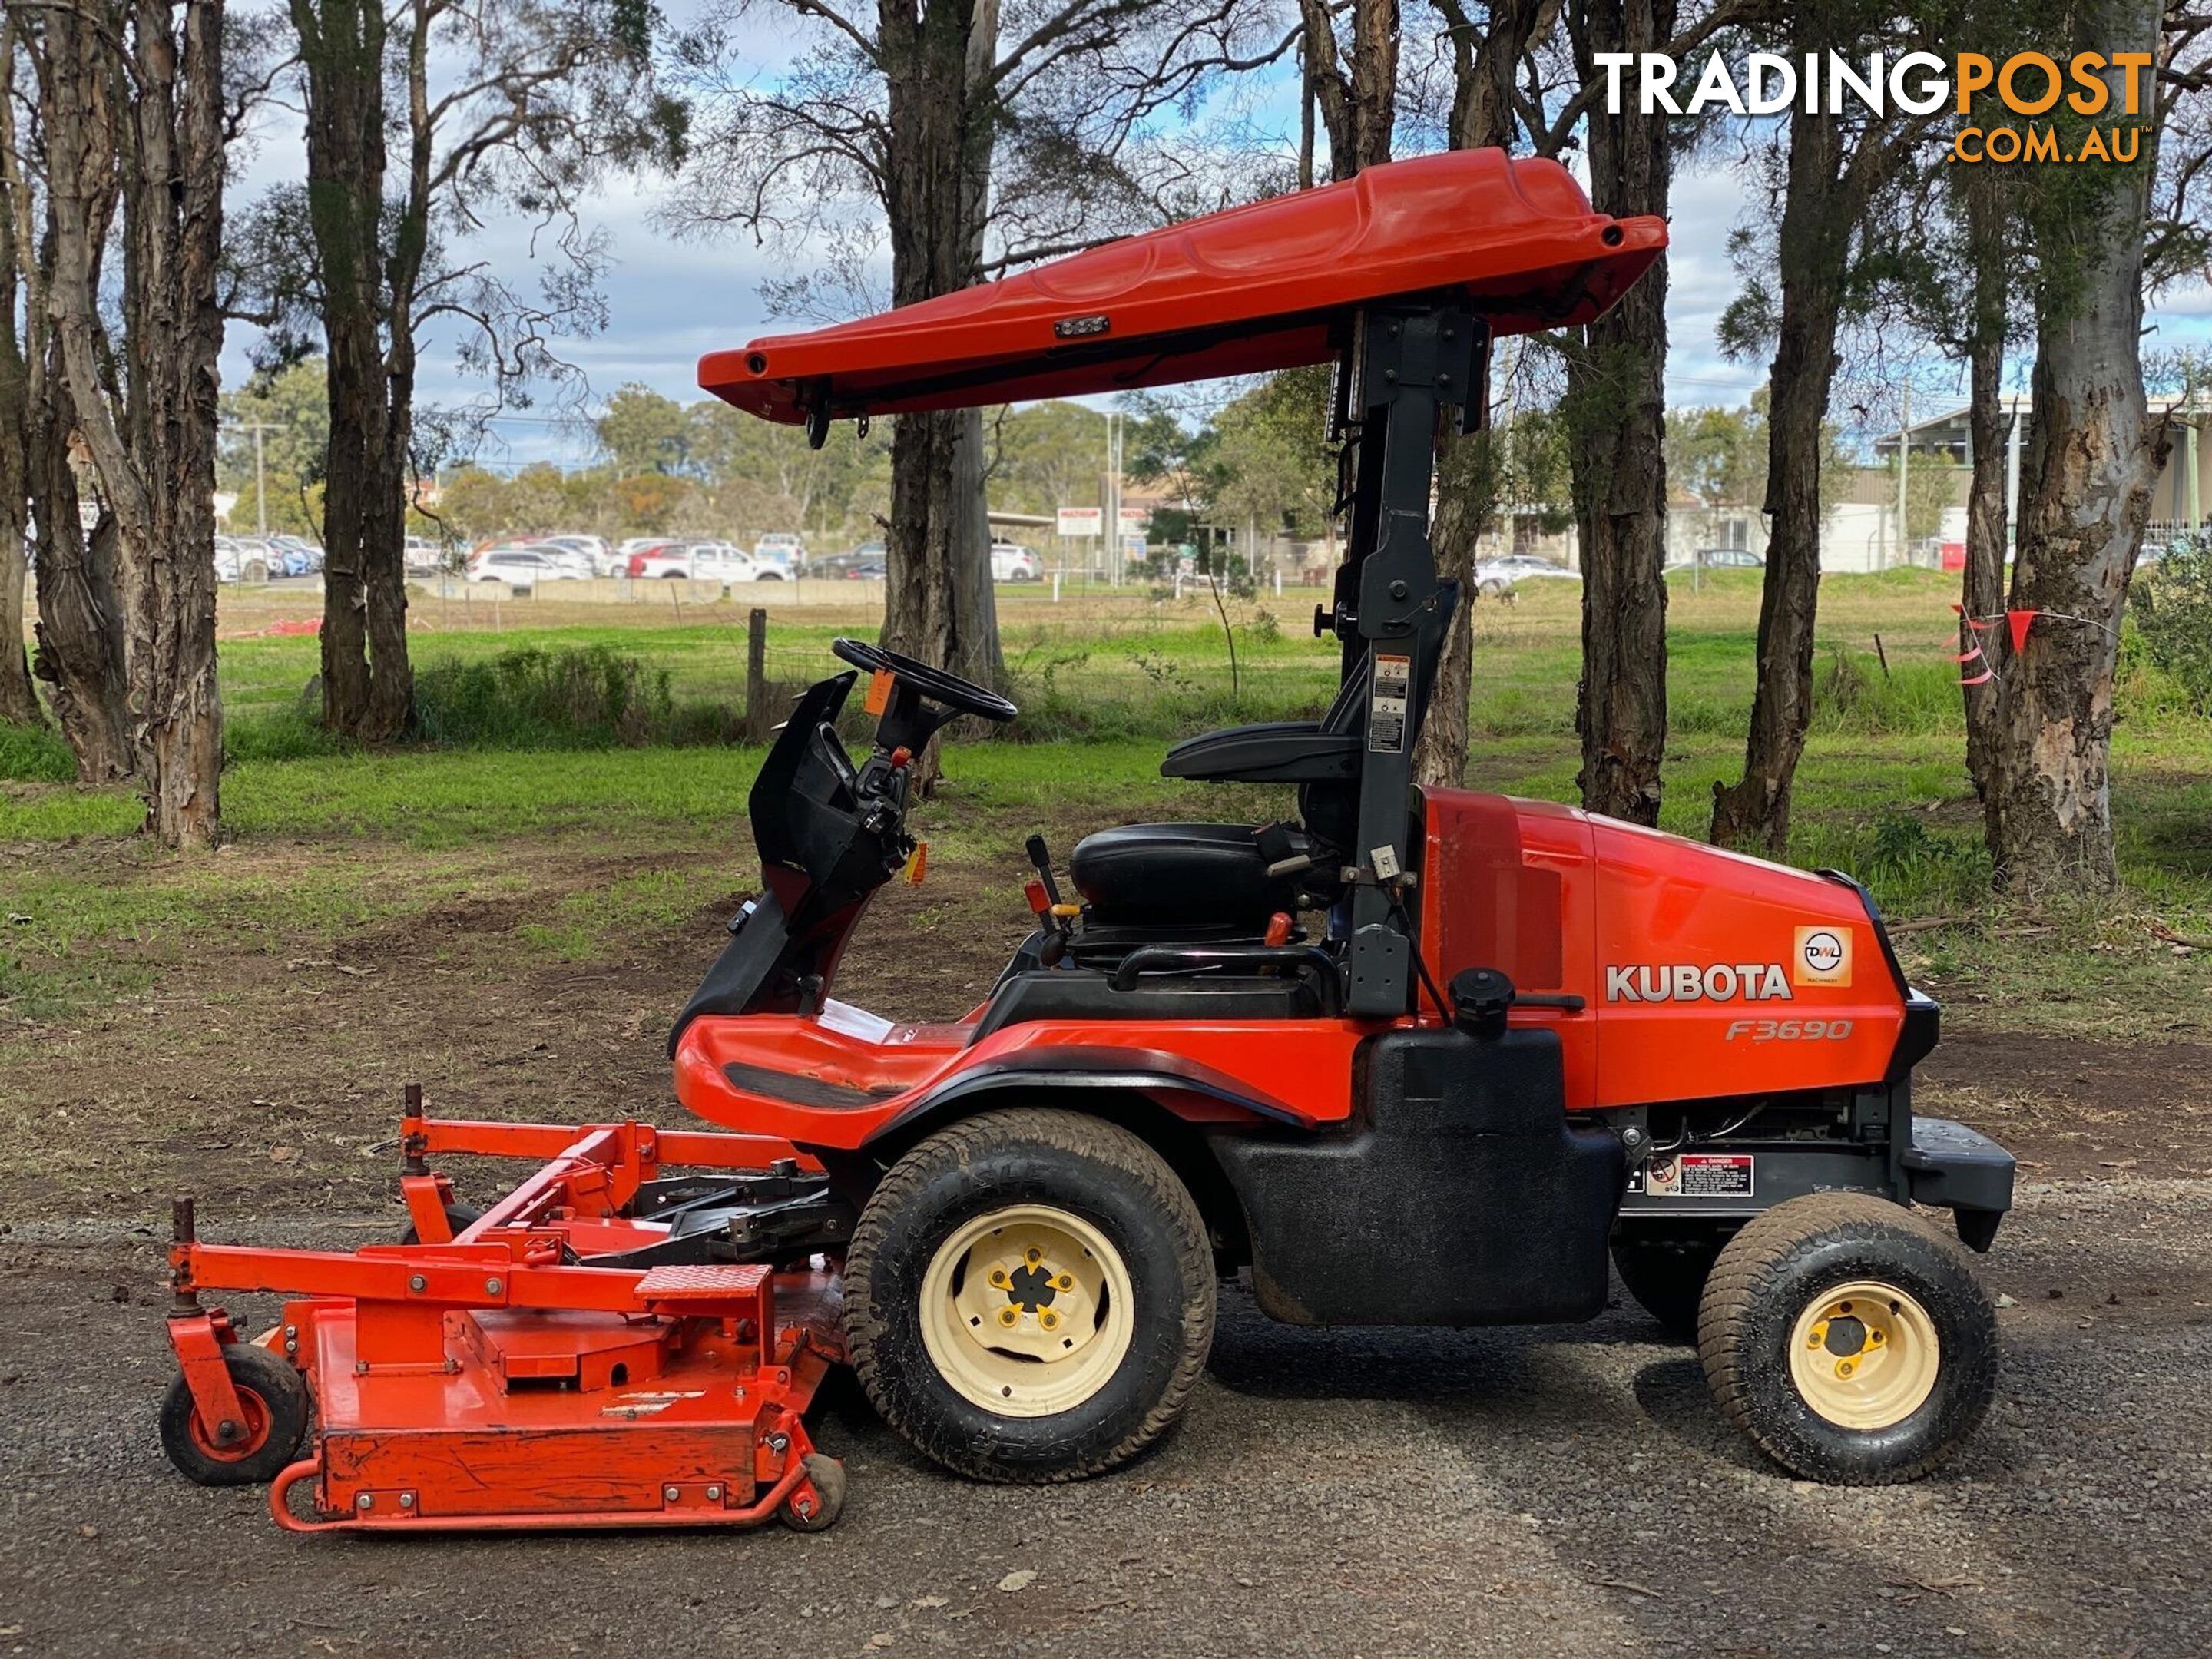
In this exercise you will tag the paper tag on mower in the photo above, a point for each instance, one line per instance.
(879, 691)
(1386, 704)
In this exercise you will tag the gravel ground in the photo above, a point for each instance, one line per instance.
(1544, 1491)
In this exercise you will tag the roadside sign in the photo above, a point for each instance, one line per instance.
(1082, 520)
(1135, 520)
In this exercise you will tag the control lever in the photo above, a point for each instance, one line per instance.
(1041, 860)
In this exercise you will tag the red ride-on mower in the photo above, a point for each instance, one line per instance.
(1414, 1057)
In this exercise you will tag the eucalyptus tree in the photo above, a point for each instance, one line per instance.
(493, 107)
(135, 119)
(963, 138)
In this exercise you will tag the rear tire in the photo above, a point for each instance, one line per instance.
(1029, 1297)
(1849, 1339)
(1665, 1270)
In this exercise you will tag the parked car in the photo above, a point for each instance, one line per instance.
(1497, 575)
(257, 560)
(784, 550)
(1720, 558)
(301, 556)
(521, 565)
(841, 564)
(1013, 562)
(596, 554)
(719, 562)
(867, 571)
(653, 560)
(422, 556)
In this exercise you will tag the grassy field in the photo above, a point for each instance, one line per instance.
(327, 842)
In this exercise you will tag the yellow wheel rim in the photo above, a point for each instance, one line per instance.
(1027, 1311)
(1864, 1355)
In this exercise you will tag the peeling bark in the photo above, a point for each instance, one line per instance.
(2092, 455)
(158, 112)
(1982, 585)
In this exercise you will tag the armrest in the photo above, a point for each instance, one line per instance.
(1281, 752)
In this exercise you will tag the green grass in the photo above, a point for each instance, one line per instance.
(327, 840)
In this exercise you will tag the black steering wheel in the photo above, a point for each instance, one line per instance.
(949, 690)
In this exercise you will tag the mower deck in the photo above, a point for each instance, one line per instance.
(507, 1375)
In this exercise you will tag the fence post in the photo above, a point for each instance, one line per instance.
(756, 695)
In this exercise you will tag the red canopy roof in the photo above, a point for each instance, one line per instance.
(1254, 290)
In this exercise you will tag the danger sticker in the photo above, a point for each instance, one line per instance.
(1386, 704)
(1699, 1175)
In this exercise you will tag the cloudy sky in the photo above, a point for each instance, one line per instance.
(668, 302)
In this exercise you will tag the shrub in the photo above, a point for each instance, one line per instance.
(2170, 603)
(584, 697)
(34, 753)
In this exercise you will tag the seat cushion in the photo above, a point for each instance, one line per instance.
(1178, 873)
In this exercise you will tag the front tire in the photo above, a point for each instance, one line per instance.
(275, 1401)
(1849, 1339)
(1029, 1297)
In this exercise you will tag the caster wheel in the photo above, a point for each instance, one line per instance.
(1849, 1339)
(1029, 1297)
(274, 1400)
(458, 1216)
(819, 1511)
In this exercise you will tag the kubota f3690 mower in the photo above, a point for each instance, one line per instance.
(1409, 1057)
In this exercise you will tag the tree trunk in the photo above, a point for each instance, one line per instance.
(80, 654)
(937, 603)
(156, 462)
(1617, 432)
(367, 684)
(19, 697)
(1982, 585)
(80, 627)
(2092, 456)
(1484, 61)
(1753, 813)
(1358, 101)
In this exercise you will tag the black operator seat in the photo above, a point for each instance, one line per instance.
(1215, 873)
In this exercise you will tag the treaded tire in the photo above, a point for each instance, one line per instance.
(1765, 1277)
(1666, 1272)
(1091, 1168)
(268, 1387)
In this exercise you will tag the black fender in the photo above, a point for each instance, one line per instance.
(1128, 1075)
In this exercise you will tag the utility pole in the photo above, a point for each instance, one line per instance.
(1904, 465)
(260, 475)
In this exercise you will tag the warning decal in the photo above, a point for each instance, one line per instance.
(1386, 704)
(1700, 1175)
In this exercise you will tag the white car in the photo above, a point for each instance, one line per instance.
(781, 549)
(1497, 575)
(719, 562)
(597, 556)
(1013, 562)
(521, 566)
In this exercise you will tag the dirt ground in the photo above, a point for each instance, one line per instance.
(1541, 1491)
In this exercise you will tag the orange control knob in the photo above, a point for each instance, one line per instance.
(900, 756)
(1278, 928)
(1039, 901)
